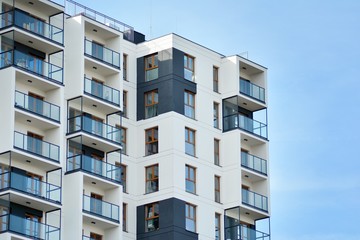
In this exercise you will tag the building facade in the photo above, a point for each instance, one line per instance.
(107, 136)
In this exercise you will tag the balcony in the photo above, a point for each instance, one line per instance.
(242, 232)
(101, 53)
(252, 90)
(101, 208)
(254, 200)
(96, 128)
(95, 167)
(254, 163)
(244, 123)
(101, 91)
(37, 106)
(29, 228)
(33, 25)
(30, 186)
(36, 146)
(31, 64)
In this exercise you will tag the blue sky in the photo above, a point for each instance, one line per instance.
(312, 51)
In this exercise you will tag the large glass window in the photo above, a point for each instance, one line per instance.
(151, 104)
(217, 188)
(189, 69)
(190, 215)
(190, 179)
(215, 79)
(151, 67)
(152, 178)
(216, 115)
(190, 141)
(189, 103)
(151, 141)
(217, 152)
(151, 217)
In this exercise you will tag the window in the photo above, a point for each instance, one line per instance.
(125, 67)
(215, 79)
(123, 139)
(189, 102)
(122, 175)
(151, 141)
(95, 236)
(151, 103)
(151, 217)
(217, 226)
(216, 115)
(125, 113)
(151, 67)
(190, 215)
(217, 188)
(124, 224)
(152, 179)
(189, 67)
(190, 141)
(217, 152)
(190, 179)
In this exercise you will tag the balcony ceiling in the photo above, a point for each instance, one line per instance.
(36, 42)
(43, 6)
(101, 32)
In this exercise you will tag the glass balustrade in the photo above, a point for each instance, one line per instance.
(241, 232)
(102, 53)
(250, 125)
(254, 199)
(101, 208)
(252, 90)
(102, 91)
(254, 163)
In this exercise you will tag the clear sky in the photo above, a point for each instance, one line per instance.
(312, 51)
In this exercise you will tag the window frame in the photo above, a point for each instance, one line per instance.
(154, 216)
(152, 141)
(155, 178)
(188, 206)
(217, 188)
(187, 103)
(217, 152)
(188, 178)
(217, 227)
(216, 79)
(154, 66)
(124, 213)
(216, 116)
(188, 66)
(153, 104)
(187, 140)
(123, 175)
(125, 65)
(125, 103)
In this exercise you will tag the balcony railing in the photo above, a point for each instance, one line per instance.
(250, 125)
(30, 186)
(254, 163)
(252, 90)
(101, 208)
(255, 200)
(29, 228)
(37, 106)
(94, 166)
(93, 127)
(25, 21)
(241, 232)
(36, 146)
(102, 53)
(102, 91)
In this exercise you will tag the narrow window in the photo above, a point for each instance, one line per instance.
(189, 67)
(190, 215)
(215, 79)
(151, 67)
(152, 178)
(121, 175)
(124, 224)
(125, 56)
(189, 103)
(151, 141)
(216, 114)
(125, 102)
(217, 226)
(190, 141)
(123, 140)
(151, 103)
(151, 217)
(217, 152)
(190, 179)
(217, 188)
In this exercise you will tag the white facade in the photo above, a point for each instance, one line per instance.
(62, 95)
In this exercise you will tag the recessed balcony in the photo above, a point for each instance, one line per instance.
(33, 25)
(100, 208)
(102, 91)
(29, 228)
(247, 124)
(31, 65)
(36, 146)
(100, 53)
(243, 232)
(254, 200)
(252, 90)
(37, 106)
(254, 163)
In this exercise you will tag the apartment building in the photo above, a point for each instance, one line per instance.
(107, 136)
